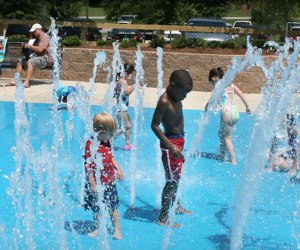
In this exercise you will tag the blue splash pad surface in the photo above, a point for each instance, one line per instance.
(208, 190)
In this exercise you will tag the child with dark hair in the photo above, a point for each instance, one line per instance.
(169, 113)
(229, 113)
(122, 92)
(104, 125)
(287, 160)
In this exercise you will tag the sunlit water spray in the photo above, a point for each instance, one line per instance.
(266, 121)
(117, 67)
(138, 113)
(20, 180)
(30, 178)
(159, 173)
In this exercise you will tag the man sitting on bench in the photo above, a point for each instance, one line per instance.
(40, 57)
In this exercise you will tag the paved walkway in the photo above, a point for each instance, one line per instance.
(41, 92)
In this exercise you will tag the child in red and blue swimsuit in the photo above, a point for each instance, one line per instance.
(104, 125)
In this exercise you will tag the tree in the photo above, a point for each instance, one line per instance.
(39, 9)
(64, 9)
(211, 8)
(22, 9)
(277, 12)
(165, 11)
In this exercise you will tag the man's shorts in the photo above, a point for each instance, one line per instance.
(37, 62)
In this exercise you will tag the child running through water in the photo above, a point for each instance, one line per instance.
(229, 113)
(104, 125)
(169, 113)
(287, 160)
(122, 92)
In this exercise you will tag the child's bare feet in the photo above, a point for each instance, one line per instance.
(93, 233)
(230, 162)
(181, 210)
(117, 235)
(26, 84)
(166, 224)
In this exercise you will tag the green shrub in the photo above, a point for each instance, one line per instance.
(214, 44)
(179, 42)
(18, 38)
(259, 43)
(101, 42)
(157, 42)
(129, 43)
(71, 41)
(196, 43)
(240, 43)
(230, 44)
(110, 42)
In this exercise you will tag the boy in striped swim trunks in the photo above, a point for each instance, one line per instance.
(169, 113)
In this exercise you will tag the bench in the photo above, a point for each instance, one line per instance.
(13, 52)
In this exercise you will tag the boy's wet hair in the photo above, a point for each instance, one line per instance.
(128, 68)
(181, 78)
(104, 122)
(216, 72)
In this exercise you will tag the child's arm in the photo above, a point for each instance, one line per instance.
(119, 170)
(158, 115)
(241, 95)
(128, 88)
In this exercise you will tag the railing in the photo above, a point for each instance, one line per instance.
(156, 27)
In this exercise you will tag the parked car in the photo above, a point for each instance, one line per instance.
(242, 24)
(295, 36)
(148, 35)
(171, 34)
(124, 34)
(91, 33)
(208, 36)
(290, 25)
(18, 29)
(264, 34)
(126, 19)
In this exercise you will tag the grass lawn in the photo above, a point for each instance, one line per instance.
(92, 11)
(238, 13)
(101, 12)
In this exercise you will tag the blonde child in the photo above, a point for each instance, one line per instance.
(104, 125)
